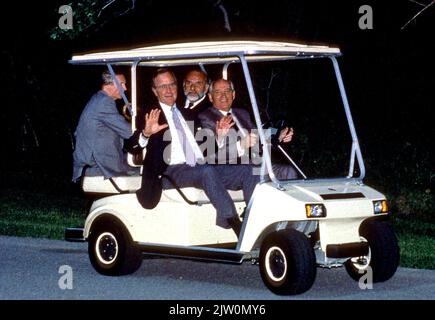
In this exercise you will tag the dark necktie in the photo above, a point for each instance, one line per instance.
(238, 125)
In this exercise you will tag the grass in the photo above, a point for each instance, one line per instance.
(38, 223)
(30, 214)
(46, 213)
(416, 242)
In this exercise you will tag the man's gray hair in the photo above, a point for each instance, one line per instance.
(210, 89)
(160, 71)
(106, 77)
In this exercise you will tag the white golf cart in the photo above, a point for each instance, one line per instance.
(289, 227)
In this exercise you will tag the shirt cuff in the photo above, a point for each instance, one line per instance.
(143, 142)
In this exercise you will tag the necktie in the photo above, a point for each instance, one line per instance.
(188, 106)
(238, 125)
(185, 144)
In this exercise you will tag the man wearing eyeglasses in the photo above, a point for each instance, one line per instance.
(235, 131)
(175, 153)
(195, 87)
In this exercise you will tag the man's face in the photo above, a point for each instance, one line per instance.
(112, 89)
(195, 86)
(165, 88)
(222, 96)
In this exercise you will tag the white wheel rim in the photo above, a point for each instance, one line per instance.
(278, 259)
(356, 262)
(106, 248)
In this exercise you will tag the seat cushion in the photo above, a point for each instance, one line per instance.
(98, 184)
(132, 183)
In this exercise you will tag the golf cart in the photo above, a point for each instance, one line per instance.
(289, 227)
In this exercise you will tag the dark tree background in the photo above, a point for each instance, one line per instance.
(388, 72)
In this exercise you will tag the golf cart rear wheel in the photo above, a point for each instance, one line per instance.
(111, 249)
(383, 258)
(287, 262)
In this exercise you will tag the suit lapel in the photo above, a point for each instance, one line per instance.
(216, 114)
(241, 116)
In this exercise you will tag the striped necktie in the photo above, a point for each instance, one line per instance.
(189, 153)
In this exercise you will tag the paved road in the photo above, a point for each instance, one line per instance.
(29, 269)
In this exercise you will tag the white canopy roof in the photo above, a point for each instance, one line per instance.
(206, 53)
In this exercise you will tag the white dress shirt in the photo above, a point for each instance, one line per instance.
(177, 153)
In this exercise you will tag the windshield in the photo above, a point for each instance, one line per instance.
(304, 95)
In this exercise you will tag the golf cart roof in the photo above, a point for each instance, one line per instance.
(207, 53)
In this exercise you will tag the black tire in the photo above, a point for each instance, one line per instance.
(111, 250)
(383, 257)
(287, 262)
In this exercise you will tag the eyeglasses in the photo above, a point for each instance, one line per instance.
(220, 93)
(170, 86)
(196, 85)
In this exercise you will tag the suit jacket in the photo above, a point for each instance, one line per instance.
(99, 139)
(200, 107)
(154, 164)
(208, 120)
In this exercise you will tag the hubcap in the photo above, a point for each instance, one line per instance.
(106, 248)
(361, 263)
(276, 263)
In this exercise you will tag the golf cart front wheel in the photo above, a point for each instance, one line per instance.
(287, 262)
(111, 249)
(383, 257)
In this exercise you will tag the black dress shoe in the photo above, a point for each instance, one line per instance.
(235, 224)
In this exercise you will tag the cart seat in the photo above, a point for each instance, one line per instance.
(129, 184)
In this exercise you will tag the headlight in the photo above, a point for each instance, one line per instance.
(380, 206)
(315, 210)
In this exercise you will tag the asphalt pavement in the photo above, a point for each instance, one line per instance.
(40, 269)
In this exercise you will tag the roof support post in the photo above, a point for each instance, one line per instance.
(133, 109)
(266, 155)
(355, 143)
(225, 70)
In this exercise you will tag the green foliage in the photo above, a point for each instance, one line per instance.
(416, 242)
(38, 215)
(411, 202)
(405, 175)
(85, 16)
(34, 204)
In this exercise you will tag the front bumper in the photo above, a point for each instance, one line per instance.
(345, 250)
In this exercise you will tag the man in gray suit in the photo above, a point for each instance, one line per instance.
(101, 132)
(234, 129)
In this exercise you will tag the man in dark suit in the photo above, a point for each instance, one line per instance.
(175, 153)
(195, 87)
(234, 129)
(100, 134)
